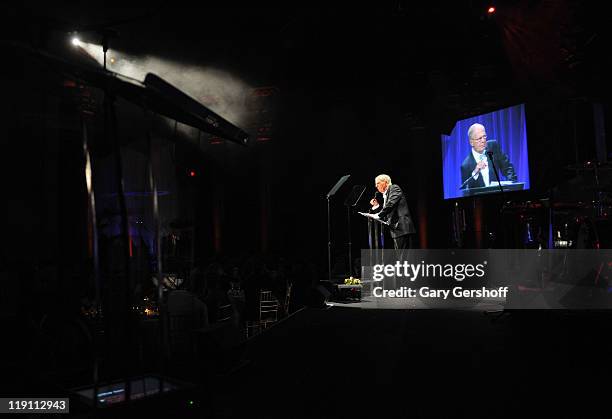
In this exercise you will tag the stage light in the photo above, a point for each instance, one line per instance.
(75, 41)
(491, 10)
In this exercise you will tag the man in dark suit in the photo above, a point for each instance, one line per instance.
(477, 165)
(395, 211)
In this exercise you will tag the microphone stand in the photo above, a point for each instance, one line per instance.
(331, 193)
(349, 243)
(501, 190)
(329, 242)
(466, 181)
(490, 155)
(351, 201)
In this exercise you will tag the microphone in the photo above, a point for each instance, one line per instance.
(489, 149)
(374, 197)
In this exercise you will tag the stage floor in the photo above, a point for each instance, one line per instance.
(373, 303)
(410, 362)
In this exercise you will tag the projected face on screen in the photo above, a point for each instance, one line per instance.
(484, 152)
(478, 138)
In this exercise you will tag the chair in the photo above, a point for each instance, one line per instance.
(253, 327)
(288, 298)
(268, 314)
(225, 312)
(268, 307)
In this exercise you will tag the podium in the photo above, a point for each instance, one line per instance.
(508, 187)
(376, 241)
(376, 238)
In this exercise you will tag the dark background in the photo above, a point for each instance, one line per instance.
(331, 89)
(357, 90)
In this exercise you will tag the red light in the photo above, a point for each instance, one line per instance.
(491, 10)
(192, 173)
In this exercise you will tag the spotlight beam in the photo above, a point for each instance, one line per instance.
(155, 94)
(213, 123)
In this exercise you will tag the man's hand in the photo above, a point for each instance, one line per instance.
(374, 203)
(481, 165)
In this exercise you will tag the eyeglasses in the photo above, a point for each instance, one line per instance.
(484, 137)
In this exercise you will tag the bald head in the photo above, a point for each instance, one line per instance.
(477, 135)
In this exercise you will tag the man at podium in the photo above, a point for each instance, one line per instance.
(395, 210)
(475, 172)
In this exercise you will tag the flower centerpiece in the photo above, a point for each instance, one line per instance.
(352, 281)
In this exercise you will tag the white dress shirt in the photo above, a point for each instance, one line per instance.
(485, 170)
